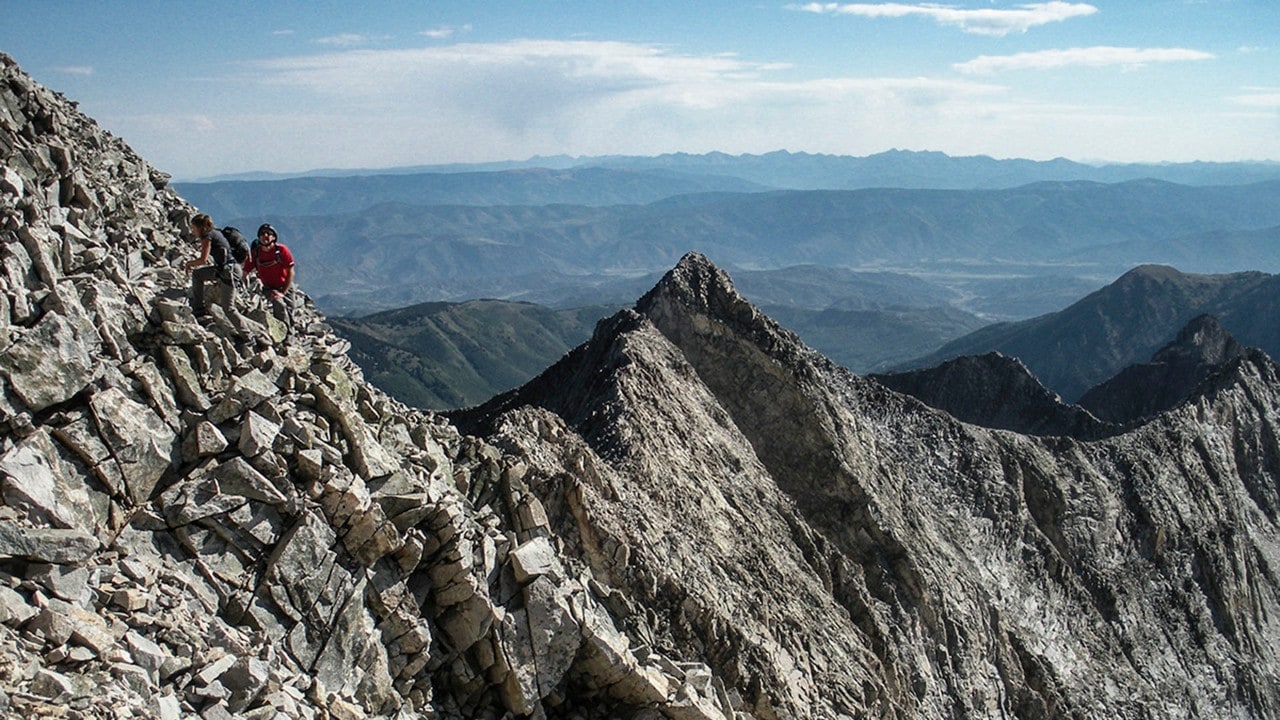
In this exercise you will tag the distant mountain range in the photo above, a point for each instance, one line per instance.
(807, 171)
(398, 254)
(528, 186)
(1125, 323)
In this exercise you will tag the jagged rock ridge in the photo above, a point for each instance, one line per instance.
(948, 570)
(1140, 391)
(999, 392)
(200, 518)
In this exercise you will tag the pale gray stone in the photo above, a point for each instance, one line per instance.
(553, 631)
(81, 437)
(214, 670)
(206, 440)
(185, 381)
(139, 440)
(257, 434)
(534, 559)
(369, 458)
(47, 486)
(245, 679)
(53, 623)
(237, 477)
(58, 687)
(167, 707)
(245, 393)
(310, 464)
(67, 583)
(14, 608)
(50, 545)
(88, 629)
(146, 654)
(158, 392)
(48, 364)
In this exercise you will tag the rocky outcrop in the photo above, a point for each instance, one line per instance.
(202, 518)
(836, 549)
(1143, 390)
(998, 392)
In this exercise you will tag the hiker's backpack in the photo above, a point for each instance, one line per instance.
(239, 246)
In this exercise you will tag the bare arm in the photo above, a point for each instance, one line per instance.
(204, 254)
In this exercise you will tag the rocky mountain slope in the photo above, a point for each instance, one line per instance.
(199, 519)
(691, 516)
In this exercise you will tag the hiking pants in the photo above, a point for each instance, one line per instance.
(223, 280)
(281, 307)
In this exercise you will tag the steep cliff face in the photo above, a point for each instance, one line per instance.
(945, 570)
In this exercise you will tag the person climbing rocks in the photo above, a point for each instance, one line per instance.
(224, 272)
(274, 264)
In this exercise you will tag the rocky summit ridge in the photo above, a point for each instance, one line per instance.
(690, 516)
(839, 549)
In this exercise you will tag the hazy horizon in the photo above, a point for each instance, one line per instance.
(210, 89)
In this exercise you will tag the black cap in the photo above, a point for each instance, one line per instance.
(266, 228)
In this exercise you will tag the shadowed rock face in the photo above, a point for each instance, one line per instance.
(998, 392)
(1140, 391)
(692, 515)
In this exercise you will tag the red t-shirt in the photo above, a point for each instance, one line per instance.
(272, 265)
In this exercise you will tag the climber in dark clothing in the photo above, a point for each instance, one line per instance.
(224, 270)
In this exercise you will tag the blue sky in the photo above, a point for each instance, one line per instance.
(204, 88)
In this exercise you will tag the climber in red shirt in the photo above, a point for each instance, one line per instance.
(274, 264)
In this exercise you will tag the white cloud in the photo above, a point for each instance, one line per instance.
(282, 32)
(344, 40)
(470, 102)
(526, 97)
(981, 21)
(1102, 56)
(1258, 97)
(83, 70)
(445, 32)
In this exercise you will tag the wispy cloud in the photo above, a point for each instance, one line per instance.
(445, 32)
(1101, 56)
(345, 40)
(282, 32)
(531, 96)
(980, 21)
(1258, 97)
(82, 70)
